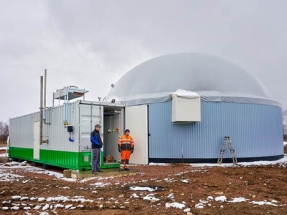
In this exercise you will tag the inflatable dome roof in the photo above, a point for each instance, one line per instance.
(188, 71)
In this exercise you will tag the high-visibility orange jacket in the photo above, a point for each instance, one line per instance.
(126, 142)
(126, 147)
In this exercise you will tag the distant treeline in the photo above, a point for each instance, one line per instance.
(4, 131)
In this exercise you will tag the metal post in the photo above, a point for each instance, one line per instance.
(41, 109)
(45, 86)
(41, 112)
(53, 99)
(45, 95)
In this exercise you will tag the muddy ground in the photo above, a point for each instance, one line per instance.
(263, 190)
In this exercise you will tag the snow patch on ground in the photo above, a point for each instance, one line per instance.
(174, 205)
(170, 196)
(220, 199)
(150, 197)
(169, 180)
(263, 163)
(255, 163)
(134, 195)
(143, 189)
(209, 198)
(184, 180)
(186, 210)
(263, 203)
(238, 199)
(100, 184)
(8, 177)
(199, 205)
(159, 164)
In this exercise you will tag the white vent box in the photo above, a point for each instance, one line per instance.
(69, 93)
(185, 107)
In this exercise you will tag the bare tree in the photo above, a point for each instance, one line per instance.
(4, 131)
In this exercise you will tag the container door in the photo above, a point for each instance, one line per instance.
(36, 141)
(136, 119)
(89, 116)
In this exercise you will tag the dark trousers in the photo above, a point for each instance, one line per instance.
(96, 159)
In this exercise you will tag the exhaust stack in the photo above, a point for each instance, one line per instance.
(41, 112)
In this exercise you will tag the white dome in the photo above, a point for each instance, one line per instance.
(188, 71)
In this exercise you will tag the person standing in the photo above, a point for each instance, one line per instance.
(126, 148)
(96, 146)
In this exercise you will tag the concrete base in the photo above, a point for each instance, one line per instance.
(67, 173)
(79, 175)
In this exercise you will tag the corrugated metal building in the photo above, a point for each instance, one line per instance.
(66, 149)
(217, 99)
(232, 103)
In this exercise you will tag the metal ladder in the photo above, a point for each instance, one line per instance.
(227, 142)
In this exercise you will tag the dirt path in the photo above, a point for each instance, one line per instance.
(201, 190)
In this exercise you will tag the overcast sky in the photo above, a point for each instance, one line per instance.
(91, 44)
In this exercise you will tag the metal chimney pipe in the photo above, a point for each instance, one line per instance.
(45, 98)
(41, 110)
(45, 87)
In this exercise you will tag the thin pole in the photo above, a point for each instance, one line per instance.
(53, 98)
(41, 109)
(45, 88)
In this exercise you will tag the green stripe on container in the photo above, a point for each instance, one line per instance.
(21, 153)
(71, 160)
(64, 159)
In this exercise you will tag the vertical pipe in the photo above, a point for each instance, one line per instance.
(45, 88)
(41, 109)
(103, 148)
(91, 117)
(67, 108)
(79, 126)
(53, 99)
(45, 99)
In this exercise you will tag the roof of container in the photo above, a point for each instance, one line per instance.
(188, 71)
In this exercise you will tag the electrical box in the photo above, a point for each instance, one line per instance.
(186, 107)
(70, 128)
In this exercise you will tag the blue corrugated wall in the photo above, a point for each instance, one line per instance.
(255, 130)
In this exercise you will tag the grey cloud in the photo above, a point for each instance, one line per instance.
(81, 42)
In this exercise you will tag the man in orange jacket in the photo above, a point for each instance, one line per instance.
(126, 148)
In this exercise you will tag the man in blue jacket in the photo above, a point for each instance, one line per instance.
(96, 146)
